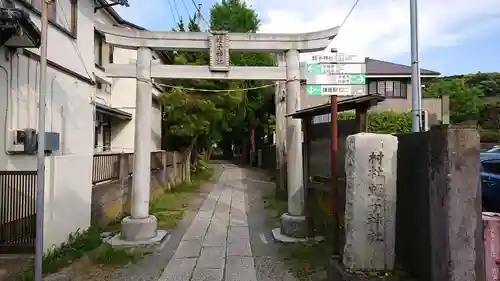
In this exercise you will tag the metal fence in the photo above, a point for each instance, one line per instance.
(17, 211)
(105, 167)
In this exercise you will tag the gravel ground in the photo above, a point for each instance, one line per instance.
(268, 262)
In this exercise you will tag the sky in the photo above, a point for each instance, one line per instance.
(455, 36)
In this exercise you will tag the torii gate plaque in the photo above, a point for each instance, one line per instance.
(140, 225)
(219, 51)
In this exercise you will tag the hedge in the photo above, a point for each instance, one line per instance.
(384, 122)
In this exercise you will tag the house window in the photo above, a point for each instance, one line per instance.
(98, 43)
(111, 54)
(74, 16)
(388, 88)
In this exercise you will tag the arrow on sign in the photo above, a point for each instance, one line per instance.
(359, 79)
(315, 68)
(313, 90)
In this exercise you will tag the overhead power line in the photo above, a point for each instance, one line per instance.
(172, 12)
(349, 14)
(214, 90)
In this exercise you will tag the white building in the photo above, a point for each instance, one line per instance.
(89, 112)
(115, 100)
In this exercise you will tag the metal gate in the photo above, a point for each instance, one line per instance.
(17, 212)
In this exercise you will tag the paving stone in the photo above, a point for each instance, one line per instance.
(241, 249)
(238, 234)
(216, 236)
(208, 274)
(178, 270)
(196, 231)
(238, 219)
(212, 257)
(240, 269)
(188, 249)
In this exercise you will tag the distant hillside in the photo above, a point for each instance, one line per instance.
(487, 82)
(474, 98)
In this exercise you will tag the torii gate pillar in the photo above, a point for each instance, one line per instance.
(140, 225)
(293, 223)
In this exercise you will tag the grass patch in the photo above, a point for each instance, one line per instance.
(277, 204)
(303, 259)
(82, 244)
(170, 207)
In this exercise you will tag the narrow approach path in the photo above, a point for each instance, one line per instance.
(218, 244)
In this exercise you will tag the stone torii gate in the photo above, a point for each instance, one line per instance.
(141, 226)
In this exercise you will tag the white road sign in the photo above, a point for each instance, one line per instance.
(333, 58)
(332, 68)
(338, 90)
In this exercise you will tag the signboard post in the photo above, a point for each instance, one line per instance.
(335, 74)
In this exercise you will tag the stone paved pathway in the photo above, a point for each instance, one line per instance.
(216, 246)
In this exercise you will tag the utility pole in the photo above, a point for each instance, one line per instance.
(416, 89)
(40, 189)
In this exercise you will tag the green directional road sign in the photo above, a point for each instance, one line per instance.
(315, 68)
(358, 79)
(313, 90)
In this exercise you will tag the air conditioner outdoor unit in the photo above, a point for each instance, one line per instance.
(15, 141)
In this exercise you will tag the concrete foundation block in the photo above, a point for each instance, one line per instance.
(134, 229)
(294, 226)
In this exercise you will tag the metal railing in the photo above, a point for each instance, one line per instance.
(17, 211)
(105, 167)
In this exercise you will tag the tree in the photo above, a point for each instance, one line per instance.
(197, 118)
(464, 100)
(236, 16)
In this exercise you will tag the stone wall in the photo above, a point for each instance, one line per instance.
(111, 200)
(438, 221)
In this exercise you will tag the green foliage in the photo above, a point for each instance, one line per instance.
(464, 99)
(200, 118)
(79, 244)
(384, 122)
(473, 98)
(488, 135)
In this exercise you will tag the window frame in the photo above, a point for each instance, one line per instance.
(99, 63)
(398, 88)
(71, 30)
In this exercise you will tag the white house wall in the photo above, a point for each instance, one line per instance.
(123, 97)
(62, 47)
(67, 105)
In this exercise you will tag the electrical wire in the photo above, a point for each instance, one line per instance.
(177, 10)
(348, 15)
(200, 15)
(215, 91)
(75, 46)
(172, 11)
(185, 7)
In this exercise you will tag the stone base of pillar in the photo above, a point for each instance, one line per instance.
(335, 270)
(141, 233)
(293, 229)
(139, 229)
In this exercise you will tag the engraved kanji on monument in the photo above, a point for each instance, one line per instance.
(370, 213)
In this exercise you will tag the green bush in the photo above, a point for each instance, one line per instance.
(489, 135)
(384, 122)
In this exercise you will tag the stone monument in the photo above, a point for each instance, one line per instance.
(370, 212)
